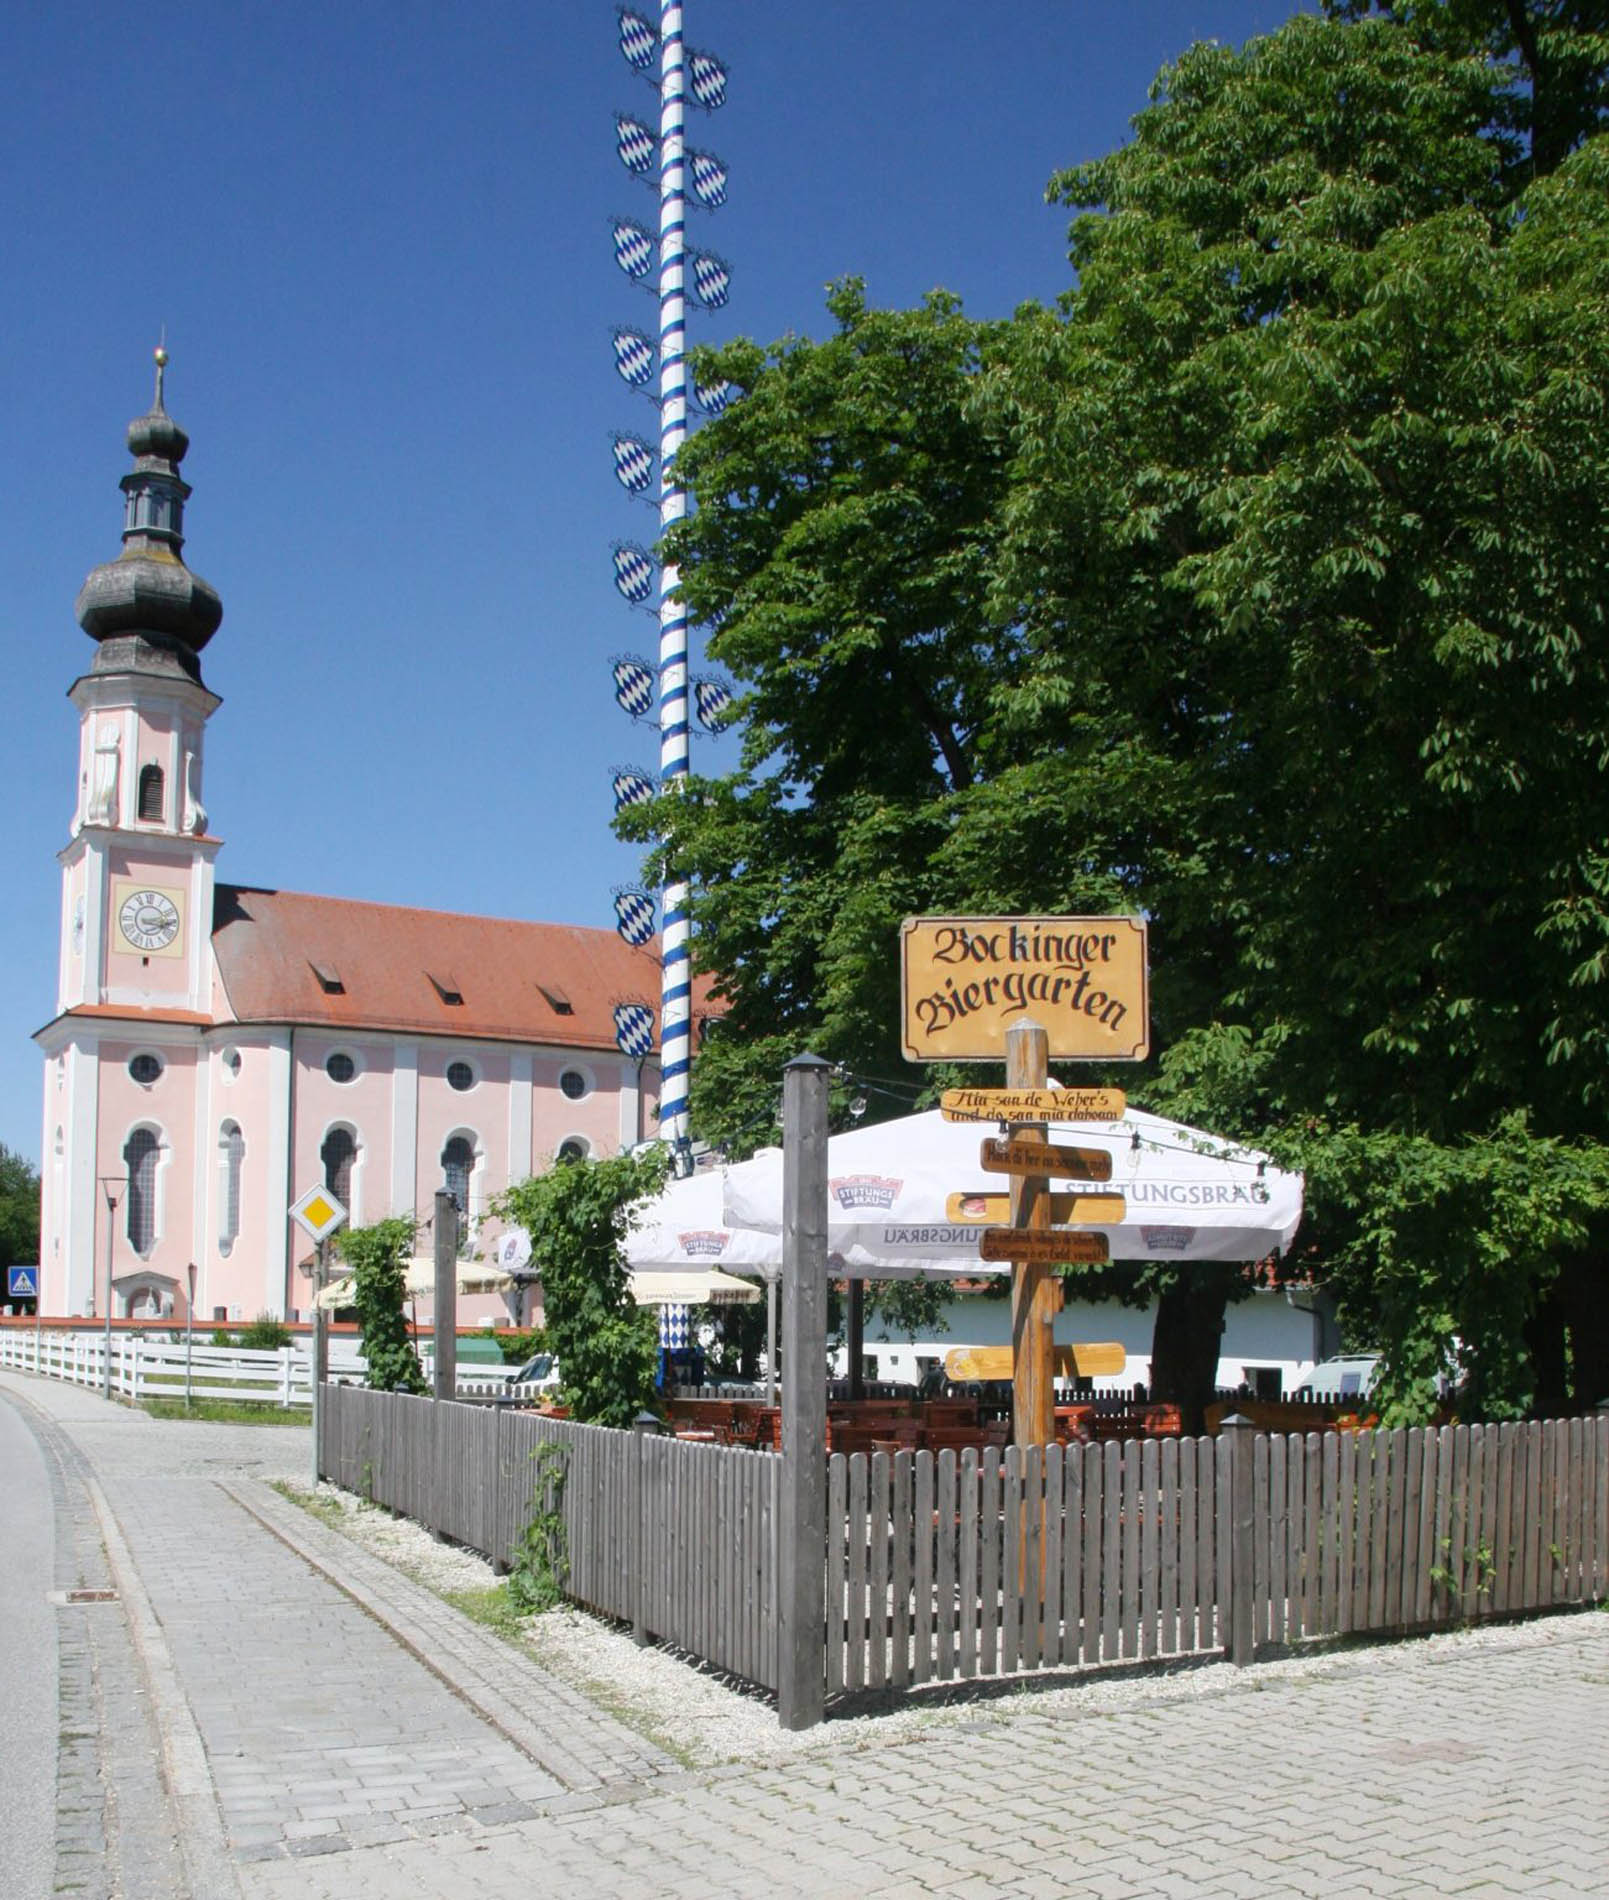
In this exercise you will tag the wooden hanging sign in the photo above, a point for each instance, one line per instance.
(1086, 1359)
(1043, 1246)
(1022, 1155)
(1033, 1105)
(1066, 1210)
(964, 981)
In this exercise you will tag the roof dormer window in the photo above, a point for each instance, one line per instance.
(447, 988)
(329, 978)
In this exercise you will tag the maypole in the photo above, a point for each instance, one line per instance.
(684, 74)
(675, 989)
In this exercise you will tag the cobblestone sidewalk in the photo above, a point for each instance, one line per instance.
(341, 1767)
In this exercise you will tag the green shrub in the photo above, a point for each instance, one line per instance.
(265, 1334)
(378, 1257)
(221, 1336)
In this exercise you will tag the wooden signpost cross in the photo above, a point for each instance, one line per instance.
(1035, 1290)
(971, 989)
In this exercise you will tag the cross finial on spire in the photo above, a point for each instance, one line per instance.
(161, 355)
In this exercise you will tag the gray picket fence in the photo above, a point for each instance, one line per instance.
(942, 1567)
(678, 1538)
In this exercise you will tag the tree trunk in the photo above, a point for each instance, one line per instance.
(1544, 1341)
(1185, 1340)
(1584, 1297)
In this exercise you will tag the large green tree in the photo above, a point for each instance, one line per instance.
(1311, 479)
(1258, 586)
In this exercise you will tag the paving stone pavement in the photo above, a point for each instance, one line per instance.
(1478, 1769)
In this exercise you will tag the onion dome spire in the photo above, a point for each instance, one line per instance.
(146, 608)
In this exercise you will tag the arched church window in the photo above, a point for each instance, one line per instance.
(140, 1157)
(338, 1154)
(457, 1165)
(151, 792)
(231, 1157)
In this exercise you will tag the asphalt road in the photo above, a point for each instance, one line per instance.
(28, 1731)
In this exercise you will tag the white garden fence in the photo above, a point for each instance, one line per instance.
(146, 1367)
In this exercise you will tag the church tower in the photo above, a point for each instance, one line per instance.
(137, 875)
(135, 973)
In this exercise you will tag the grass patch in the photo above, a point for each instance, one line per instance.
(228, 1411)
(326, 1509)
(493, 1608)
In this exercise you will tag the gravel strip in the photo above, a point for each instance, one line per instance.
(710, 1719)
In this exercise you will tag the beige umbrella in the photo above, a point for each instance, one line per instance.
(691, 1286)
(473, 1276)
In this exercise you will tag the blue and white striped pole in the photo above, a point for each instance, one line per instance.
(675, 1034)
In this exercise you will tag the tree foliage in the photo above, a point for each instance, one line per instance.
(1258, 587)
(378, 1257)
(19, 1209)
(1552, 58)
(578, 1215)
(841, 555)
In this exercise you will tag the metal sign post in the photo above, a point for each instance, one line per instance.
(319, 1214)
(109, 1187)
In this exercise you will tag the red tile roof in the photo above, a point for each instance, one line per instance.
(289, 958)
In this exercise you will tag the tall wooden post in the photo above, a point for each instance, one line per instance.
(1236, 1436)
(1035, 1290)
(444, 1380)
(802, 1528)
(855, 1337)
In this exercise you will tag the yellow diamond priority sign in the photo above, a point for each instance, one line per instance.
(318, 1213)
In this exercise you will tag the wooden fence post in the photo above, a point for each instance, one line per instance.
(802, 1540)
(644, 1426)
(1238, 1432)
(444, 1370)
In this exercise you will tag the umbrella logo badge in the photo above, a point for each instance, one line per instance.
(703, 1245)
(864, 1190)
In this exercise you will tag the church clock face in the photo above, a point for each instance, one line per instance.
(148, 919)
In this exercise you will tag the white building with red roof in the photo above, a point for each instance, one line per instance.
(218, 1049)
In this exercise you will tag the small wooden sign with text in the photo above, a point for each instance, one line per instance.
(1022, 1156)
(1033, 1105)
(1066, 1210)
(1043, 1246)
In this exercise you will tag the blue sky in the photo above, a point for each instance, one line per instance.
(377, 236)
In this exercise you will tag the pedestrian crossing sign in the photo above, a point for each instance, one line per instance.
(22, 1283)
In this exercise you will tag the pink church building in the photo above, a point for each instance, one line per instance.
(218, 1049)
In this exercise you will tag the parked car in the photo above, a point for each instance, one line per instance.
(536, 1378)
(1348, 1377)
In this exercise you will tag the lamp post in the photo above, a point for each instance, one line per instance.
(189, 1330)
(111, 1185)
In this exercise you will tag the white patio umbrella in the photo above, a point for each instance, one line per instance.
(682, 1233)
(1189, 1195)
(683, 1229)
